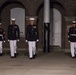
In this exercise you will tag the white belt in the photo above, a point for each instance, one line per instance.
(73, 34)
(1, 35)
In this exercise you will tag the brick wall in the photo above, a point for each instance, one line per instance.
(31, 7)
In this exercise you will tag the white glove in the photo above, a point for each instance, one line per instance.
(26, 40)
(3, 41)
(8, 40)
(37, 40)
(18, 40)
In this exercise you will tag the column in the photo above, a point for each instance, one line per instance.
(46, 26)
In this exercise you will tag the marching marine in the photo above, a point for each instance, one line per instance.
(13, 37)
(2, 38)
(72, 39)
(32, 37)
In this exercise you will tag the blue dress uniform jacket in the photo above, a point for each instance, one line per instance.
(13, 32)
(2, 35)
(32, 33)
(72, 34)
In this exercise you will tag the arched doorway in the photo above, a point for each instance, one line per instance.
(6, 13)
(59, 9)
(55, 29)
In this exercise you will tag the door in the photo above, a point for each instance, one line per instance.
(56, 28)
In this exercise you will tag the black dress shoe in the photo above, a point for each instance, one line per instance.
(12, 57)
(1, 54)
(74, 57)
(31, 58)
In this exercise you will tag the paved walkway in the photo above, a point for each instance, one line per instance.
(53, 63)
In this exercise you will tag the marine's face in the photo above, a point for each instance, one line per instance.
(13, 22)
(32, 22)
(74, 25)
